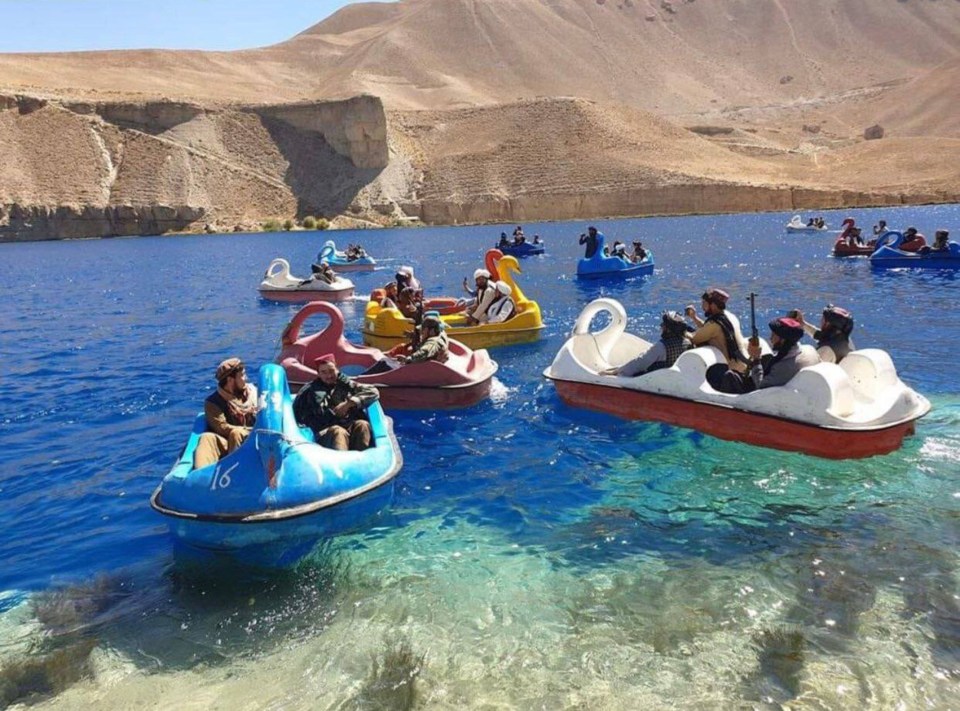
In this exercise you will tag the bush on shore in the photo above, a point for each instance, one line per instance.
(271, 225)
(288, 224)
(309, 222)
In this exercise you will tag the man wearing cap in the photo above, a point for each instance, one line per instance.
(787, 360)
(833, 336)
(434, 344)
(719, 329)
(334, 407)
(661, 354)
(502, 307)
(230, 413)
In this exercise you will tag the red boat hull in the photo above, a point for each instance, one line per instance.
(735, 425)
(425, 398)
(846, 250)
(450, 398)
(300, 297)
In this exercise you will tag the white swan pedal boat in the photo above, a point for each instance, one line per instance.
(797, 225)
(280, 285)
(856, 409)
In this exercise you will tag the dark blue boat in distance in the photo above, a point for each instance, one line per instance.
(524, 249)
(270, 501)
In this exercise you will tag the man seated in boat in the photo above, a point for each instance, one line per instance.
(537, 240)
(405, 278)
(481, 297)
(433, 341)
(321, 272)
(661, 354)
(619, 249)
(819, 223)
(410, 303)
(941, 243)
(639, 253)
(913, 241)
(768, 371)
(334, 407)
(517, 234)
(833, 336)
(504, 242)
(719, 328)
(390, 296)
(502, 307)
(355, 252)
(811, 222)
(880, 228)
(855, 237)
(590, 240)
(230, 413)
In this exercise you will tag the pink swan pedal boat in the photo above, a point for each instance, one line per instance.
(856, 409)
(463, 380)
(280, 285)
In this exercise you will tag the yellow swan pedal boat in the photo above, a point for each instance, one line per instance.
(384, 328)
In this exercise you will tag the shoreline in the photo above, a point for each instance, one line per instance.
(509, 218)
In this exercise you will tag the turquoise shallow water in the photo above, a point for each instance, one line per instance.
(535, 555)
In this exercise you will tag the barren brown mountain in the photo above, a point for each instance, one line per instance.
(493, 110)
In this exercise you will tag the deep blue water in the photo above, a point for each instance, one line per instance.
(107, 349)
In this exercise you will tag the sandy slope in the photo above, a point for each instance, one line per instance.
(777, 92)
(431, 54)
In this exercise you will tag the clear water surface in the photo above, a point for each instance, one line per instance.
(536, 556)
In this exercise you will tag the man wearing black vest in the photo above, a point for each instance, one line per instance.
(230, 412)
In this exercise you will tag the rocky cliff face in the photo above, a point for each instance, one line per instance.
(19, 223)
(86, 169)
(652, 200)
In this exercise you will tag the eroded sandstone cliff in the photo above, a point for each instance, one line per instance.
(84, 169)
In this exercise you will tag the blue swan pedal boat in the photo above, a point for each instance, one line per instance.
(601, 267)
(267, 503)
(888, 255)
(340, 262)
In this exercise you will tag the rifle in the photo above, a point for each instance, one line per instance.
(754, 336)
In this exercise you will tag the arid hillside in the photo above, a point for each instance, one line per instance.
(494, 109)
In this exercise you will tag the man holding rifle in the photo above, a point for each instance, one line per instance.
(787, 360)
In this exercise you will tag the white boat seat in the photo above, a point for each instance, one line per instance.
(871, 372)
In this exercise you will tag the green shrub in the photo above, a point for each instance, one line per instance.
(309, 222)
(323, 223)
(271, 225)
(288, 224)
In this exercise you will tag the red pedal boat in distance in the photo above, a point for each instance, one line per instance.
(463, 380)
(856, 409)
(846, 244)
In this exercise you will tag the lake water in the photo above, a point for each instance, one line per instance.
(535, 556)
